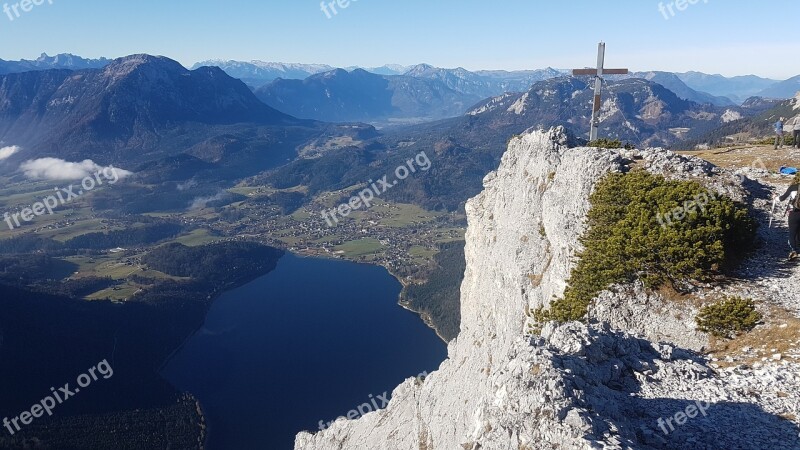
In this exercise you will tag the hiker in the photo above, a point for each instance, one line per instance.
(779, 133)
(794, 216)
(796, 131)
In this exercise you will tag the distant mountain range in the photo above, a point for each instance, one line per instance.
(150, 115)
(675, 84)
(447, 91)
(464, 149)
(341, 96)
(44, 62)
(258, 73)
(145, 108)
(737, 89)
(388, 69)
(483, 84)
(695, 86)
(423, 92)
(783, 90)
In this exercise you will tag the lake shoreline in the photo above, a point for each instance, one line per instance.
(188, 365)
(425, 317)
(212, 297)
(215, 295)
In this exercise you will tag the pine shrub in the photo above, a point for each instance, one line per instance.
(608, 143)
(729, 317)
(627, 241)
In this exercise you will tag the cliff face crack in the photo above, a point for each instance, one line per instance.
(536, 278)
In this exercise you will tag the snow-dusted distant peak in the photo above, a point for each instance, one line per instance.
(265, 65)
(313, 68)
(259, 72)
(420, 69)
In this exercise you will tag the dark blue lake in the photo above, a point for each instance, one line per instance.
(308, 342)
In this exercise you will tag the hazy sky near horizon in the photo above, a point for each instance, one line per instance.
(731, 37)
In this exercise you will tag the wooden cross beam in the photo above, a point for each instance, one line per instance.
(598, 85)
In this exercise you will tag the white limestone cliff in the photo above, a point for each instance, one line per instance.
(571, 386)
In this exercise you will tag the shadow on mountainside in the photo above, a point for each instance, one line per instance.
(606, 379)
(766, 274)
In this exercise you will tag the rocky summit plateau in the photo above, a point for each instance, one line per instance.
(637, 375)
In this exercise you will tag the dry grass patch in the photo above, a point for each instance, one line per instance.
(779, 334)
(747, 156)
(673, 296)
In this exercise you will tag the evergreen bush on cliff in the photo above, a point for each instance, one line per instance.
(644, 227)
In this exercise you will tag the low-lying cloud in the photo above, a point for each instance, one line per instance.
(6, 152)
(202, 202)
(187, 185)
(58, 169)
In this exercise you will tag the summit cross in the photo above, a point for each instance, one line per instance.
(598, 85)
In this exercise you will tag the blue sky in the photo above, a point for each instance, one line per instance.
(732, 37)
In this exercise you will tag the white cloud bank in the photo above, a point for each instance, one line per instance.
(6, 152)
(58, 169)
